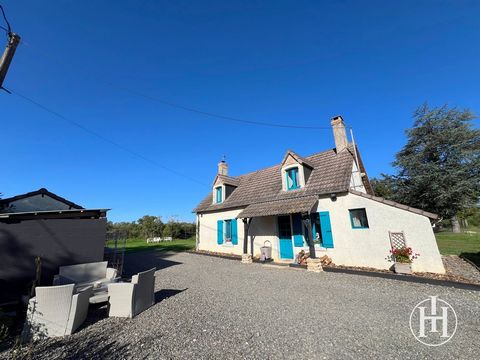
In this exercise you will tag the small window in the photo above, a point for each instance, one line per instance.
(359, 219)
(218, 195)
(228, 232)
(292, 179)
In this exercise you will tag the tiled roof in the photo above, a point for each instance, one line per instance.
(298, 158)
(330, 174)
(280, 207)
(227, 180)
(395, 204)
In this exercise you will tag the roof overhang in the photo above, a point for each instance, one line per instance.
(297, 158)
(303, 204)
(55, 214)
(227, 180)
(41, 192)
(395, 204)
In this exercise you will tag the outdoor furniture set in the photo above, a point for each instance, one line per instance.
(60, 309)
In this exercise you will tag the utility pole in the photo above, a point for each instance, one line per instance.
(13, 41)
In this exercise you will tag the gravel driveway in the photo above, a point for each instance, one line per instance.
(212, 308)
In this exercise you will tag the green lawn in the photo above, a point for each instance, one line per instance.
(141, 244)
(464, 244)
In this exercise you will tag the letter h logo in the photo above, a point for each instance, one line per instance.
(433, 318)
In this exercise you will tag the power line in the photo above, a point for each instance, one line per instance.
(9, 28)
(210, 114)
(190, 108)
(91, 132)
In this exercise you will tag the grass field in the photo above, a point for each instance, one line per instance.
(141, 244)
(464, 244)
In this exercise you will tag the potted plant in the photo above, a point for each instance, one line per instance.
(402, 258)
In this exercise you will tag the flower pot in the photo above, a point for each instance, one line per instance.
(403, 268)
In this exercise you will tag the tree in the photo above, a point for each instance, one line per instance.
(439, 167)
(383, 187)
(151, 226)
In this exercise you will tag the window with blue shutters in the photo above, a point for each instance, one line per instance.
(227, 232)
(218, 195)
(292, 179)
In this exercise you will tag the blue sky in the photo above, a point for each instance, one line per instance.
(295, 62)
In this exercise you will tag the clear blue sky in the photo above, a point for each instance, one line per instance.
(296, 62)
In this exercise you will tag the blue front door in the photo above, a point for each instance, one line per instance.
(285, 237)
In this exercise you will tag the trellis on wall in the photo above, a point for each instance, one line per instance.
(397, 239)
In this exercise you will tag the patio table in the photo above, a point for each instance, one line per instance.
(99, 291)
(99, 297)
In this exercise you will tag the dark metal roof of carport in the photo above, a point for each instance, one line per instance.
(54, 214)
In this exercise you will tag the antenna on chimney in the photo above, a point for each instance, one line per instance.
(356, 156)
(354, 147)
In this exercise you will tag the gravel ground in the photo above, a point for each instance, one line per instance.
(212, 308)
(456, 266)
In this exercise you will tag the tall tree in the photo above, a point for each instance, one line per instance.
(151, 226)
(384, 186)
(439, 167)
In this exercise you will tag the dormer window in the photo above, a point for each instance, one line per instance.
(293, 181)
(218, 195)
(295, 171)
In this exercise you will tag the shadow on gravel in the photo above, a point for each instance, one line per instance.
(166, 293)
(473, 257)
(100, 346)
(141, 261)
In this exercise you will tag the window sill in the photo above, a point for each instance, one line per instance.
(360, 228)
(228, 245)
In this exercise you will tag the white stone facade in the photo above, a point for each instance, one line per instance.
(366, 247)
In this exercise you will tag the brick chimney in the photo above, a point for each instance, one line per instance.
(339, 133)
(223, 167)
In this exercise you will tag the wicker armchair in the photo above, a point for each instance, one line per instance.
(130, 299)
(56, 311)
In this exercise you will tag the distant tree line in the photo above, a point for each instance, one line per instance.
(438, 170)
(151, 226)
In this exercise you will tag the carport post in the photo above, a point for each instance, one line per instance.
(245, 235)
(308, 224)
(246, 258)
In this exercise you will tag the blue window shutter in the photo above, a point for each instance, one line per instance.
(220, 232)
(234, 231)
(326, 226)
(295, 176)
(218, 194)
(297, 230)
